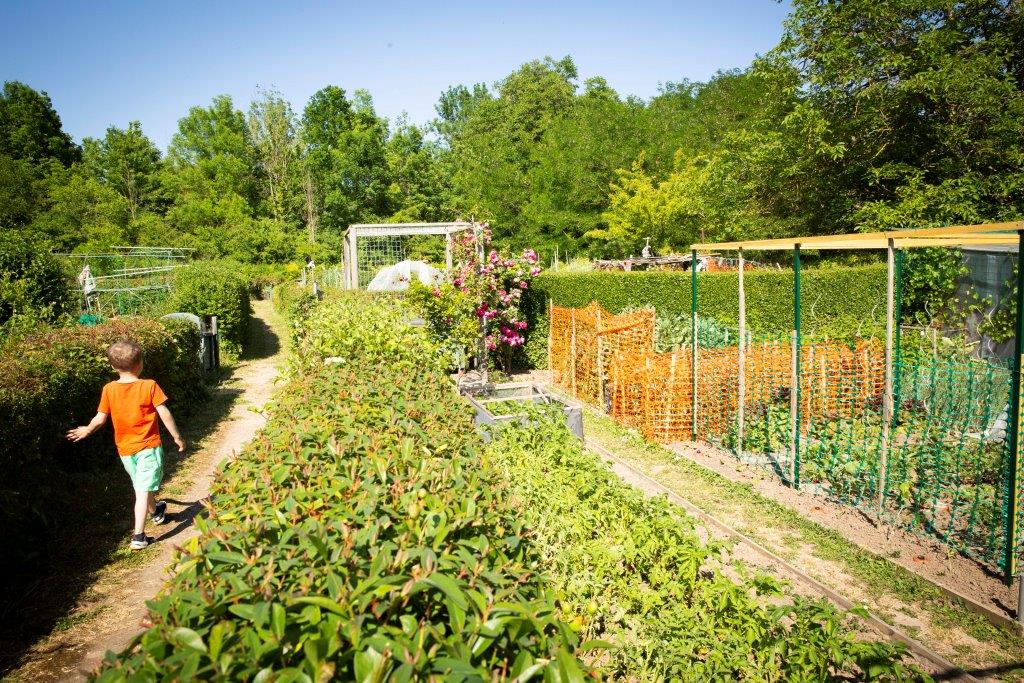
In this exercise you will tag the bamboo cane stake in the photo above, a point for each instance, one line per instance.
(793, 383)
(551, 339)
(600, 362)
(572, 353)
(890, 287)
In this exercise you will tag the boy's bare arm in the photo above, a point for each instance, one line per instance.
(79, 433)
(165, 415)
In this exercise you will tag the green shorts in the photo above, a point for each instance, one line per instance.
(146, 468)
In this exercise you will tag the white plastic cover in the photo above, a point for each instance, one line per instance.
(396, 278)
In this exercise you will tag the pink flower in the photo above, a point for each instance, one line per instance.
(524, 285)
(534, 271)
(521, 325)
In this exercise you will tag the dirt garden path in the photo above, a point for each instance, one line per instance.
(112, 609)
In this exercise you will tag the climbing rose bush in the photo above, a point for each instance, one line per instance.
(495, 286)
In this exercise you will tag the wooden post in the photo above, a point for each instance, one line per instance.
(572, 353)
(1013, 478)
(883, 463)
(551, 339)
(600, 361)
(448, 249)
(742, 379)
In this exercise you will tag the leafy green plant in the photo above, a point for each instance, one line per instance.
(34, 284)
(450, 315)
(359, 537)
(215, 288)
(633, 572)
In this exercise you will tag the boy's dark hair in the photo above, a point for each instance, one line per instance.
(124, 355)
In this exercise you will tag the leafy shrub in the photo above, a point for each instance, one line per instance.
(358, 537)
(215, 288)
(362, 325)
(836, 301)
(262, 276)
(450, 315)
(675, 331)
(633, 571)
(33, 282)
(51, 382)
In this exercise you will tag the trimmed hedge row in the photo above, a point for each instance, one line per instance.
(358, 537)
(215, 288)
(51, 382)
(836, 302)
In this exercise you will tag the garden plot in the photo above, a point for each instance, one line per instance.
(368, 533)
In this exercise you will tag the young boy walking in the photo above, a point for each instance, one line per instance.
(134, 405)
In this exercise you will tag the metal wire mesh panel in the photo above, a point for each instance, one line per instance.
(375, 253)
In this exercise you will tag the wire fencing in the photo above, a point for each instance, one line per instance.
(813, 414)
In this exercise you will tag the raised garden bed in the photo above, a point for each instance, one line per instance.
(501, 404)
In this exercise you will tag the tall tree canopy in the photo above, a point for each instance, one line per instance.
(868, 114)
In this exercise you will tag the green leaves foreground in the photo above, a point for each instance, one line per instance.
(634, 573)
(358, 538)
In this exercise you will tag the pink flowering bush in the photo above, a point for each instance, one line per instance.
(491, 287)
(496, 285)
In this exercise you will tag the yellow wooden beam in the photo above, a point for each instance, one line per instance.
(961, 235)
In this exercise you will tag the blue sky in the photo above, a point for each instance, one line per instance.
(107, 63)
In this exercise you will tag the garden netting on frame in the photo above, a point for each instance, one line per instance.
(934, 461)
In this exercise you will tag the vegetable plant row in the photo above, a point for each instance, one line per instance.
(631, 571)
(358, 537)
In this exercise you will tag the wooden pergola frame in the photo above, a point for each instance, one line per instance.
(350, 255)
(894, 242)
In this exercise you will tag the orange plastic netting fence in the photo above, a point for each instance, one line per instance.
(653, 392)
(583, 341)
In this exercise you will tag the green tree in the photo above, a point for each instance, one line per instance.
(80, 212)
(128, 162)
(212, 174)
(576, 160)
(419, 189)
(921, 101)
(345, 145)
(272, 131)
(30, 128)
(491, 157)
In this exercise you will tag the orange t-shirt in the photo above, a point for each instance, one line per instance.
(132, 409)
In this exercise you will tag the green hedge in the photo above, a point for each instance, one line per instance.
(358, 537)
(215, 288)
(836, 302)
(31, 279)
(51, 382)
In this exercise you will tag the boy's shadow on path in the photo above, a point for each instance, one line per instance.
(183, 519)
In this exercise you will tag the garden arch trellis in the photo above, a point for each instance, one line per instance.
(894, 243)
(392, 235)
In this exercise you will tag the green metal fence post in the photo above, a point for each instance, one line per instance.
(1010, 549)
(796, 366)
(898, 365)
(693, 338)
